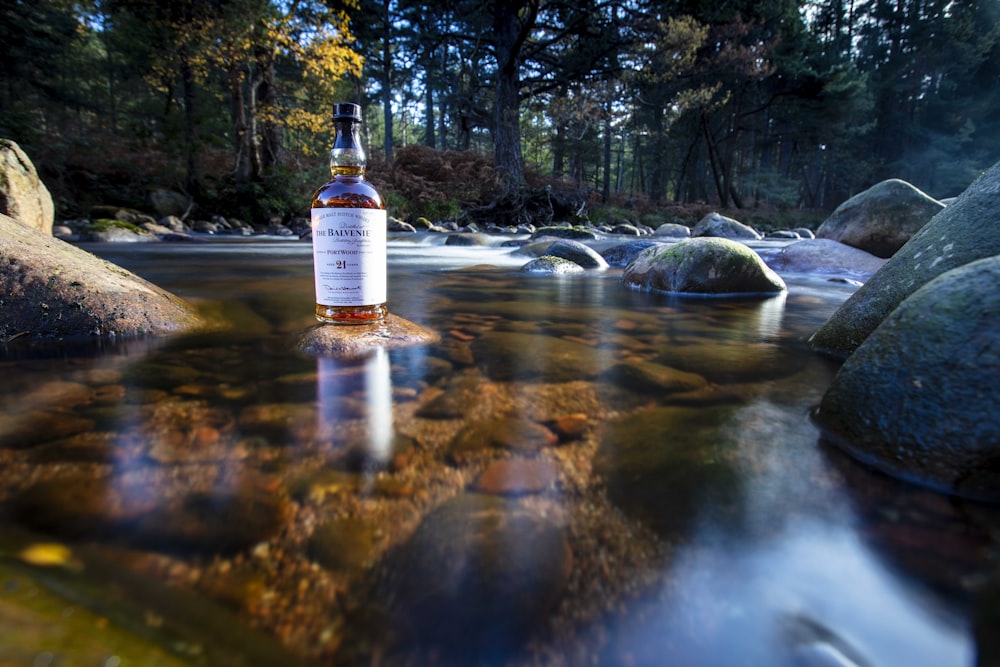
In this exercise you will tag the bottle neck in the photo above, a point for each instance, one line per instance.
(347, 158)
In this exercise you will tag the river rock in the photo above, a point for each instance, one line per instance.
(51, 289)
(918, 398)
(517, 477)
(344, 543)
(967, 230)
(625, 229)
(479, 575)
(718, 225)
(554, 266)
(623, 253)
(823, 256)
(513, 433)
(23, 196)
(712, 266)
(673, 230)
(165, 202)
(580, 233)
(538, 356)
(654, 378)
(356, 341)
(110, 231)
(577, 253)
(880, 219)
(138, 511)
(469, 238)
(667, 466)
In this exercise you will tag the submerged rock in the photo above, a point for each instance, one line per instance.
(880, 219)
(541, 357)
(480, 574)
(918, 398)
(518, 477)
(702, 266)
(51, 289)
(967, 230)
(358, 340)
(658, 469)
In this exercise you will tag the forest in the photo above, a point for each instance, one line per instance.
(632, 104)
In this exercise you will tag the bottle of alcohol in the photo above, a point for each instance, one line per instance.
(349, 232)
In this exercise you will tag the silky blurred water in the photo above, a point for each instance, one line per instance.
(781, 551)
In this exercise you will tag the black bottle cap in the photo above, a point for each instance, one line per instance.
(346, 111)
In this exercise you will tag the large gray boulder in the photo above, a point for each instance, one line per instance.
(967, 230)
(51, 289)
(880, 219)
(918, 399)
(23, 196)
(708, 266)
(716, 224)
(823, 256)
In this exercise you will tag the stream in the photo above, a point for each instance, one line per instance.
(577, 474)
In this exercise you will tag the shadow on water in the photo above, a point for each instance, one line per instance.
(577, 474)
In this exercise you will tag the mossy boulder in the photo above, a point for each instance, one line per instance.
(111, 230)
(966, 230)
(578, 253)
(707, 266)
(51, 289)
(881, 219)
(918, 398)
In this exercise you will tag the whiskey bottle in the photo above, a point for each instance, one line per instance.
(349, 232)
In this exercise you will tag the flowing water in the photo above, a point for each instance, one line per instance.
(577, 474)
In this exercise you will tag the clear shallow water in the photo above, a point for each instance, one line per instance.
(346, 510)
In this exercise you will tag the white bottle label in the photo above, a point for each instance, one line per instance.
(349, 256)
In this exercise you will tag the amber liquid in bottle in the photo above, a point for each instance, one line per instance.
(350, 274)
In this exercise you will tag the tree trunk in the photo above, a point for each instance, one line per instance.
(713, 160)
(430, 139)
(606, 185)
(387, 80)
(271, 142)
(193, 177)
(510, 30)
(238, 116)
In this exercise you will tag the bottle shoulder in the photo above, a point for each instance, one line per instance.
(347, 191)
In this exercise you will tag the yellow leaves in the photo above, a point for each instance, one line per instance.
(48, 554)
(330, 58)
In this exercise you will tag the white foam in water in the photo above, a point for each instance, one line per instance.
(428, 251)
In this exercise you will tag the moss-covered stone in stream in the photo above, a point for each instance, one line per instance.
(706, 266)
(103, 224)
(918, 398)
